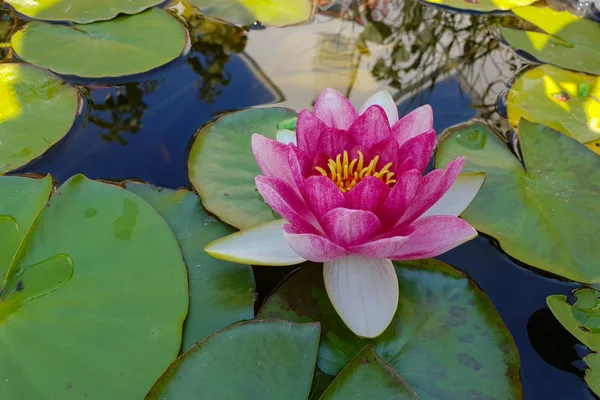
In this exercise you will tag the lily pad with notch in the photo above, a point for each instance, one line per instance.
(446, 338)
(543, 211)
(92, 277)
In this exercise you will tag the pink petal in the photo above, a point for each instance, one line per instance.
(308, 130)
(388, 151)
(301, 166)
(433, 186)
(272, 158)
(413, 124)
(371, 127)
(381, 248)
(312, 247)
(433, 236)
(287, 203)
(334, 109)
(400, 197)
(420, 148)
(347, 227)
(386, 102)
(323, 195)
(369, 194)
(334, 141)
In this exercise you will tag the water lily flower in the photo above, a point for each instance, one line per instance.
(350, 188)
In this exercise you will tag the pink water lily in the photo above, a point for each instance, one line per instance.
(350, 188)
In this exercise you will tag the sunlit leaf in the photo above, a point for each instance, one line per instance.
(221, 293)
(252, 360)
(222, 167)
(36, 110)
(563, 100)
(93, 303)
(123, 46)
(446, 339)
(565, 39)
(267, 12)
(544, 212)
(80, 11)
(482, 5)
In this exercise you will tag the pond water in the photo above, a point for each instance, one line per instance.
(141, 128)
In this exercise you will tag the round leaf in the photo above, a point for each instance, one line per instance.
(544, 213)
(267, 12)
(221, 293)
(368, 376)
(446, 338)
(36, 110)
(565, 39)
(251, 360)
(482, 5)
(222, 167)
(94, 301)
(124, 46)
(563, 100)
(81, 11)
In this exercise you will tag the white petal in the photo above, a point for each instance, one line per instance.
(385, 100)
(260, 245)
(286, 136)
(459, 196)
(364, 292)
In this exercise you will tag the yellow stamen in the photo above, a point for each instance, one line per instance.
(346, 173)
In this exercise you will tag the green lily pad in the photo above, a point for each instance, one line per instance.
(446, 339)
(95, 293)
(251, 360)
(482, 5)
(80, 11)
(267, 12)
(320, 383)
(222, 167)
(36, 110)
(563, 100)
(544, 213)
(123, 46)
(582, 320)
(221, 293)
(368, 376)
(566, 40)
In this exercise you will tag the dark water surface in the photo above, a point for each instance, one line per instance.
(142, 129)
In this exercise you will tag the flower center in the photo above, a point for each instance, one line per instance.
(346, 173)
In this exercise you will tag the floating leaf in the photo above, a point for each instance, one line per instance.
(544, 213)
(582, 320)
(482, 5)
(36, 110)
(563, 100)
(267, 12)
(124, 46)
(94, 301)
(446, 338)
(81, 11)
(221, 293)
(269, 359)
(222, 167)
(368, 376)
(567, 40)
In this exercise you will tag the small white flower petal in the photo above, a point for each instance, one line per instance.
(364, 292)
(286, 136)
(260, 245)
(385, 100)
(459, 196)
